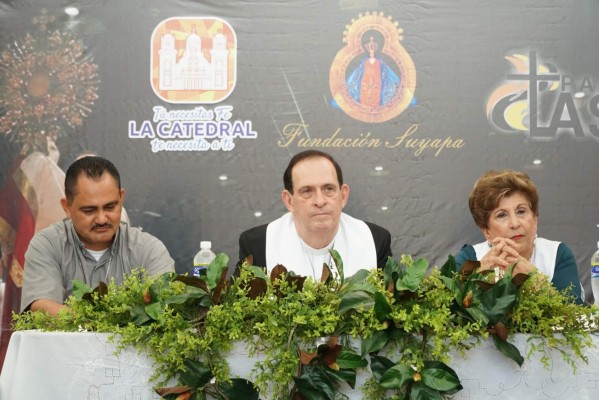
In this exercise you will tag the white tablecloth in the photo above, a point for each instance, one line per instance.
(83, 366)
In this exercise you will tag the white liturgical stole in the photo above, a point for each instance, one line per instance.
(544, 254)
(353, 241)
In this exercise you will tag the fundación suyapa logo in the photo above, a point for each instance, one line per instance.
(539, 101)
(372, 78)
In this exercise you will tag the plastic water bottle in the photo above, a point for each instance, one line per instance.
(595, 275)
(203, 259)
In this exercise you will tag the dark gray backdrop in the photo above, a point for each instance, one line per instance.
(285, 51)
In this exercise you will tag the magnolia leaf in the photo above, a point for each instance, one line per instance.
(80, 288)
(313, 390)
(396, 376)
(391, 287)
(239, 389)
(345, 375)
(382, 309)
(437, 375)
(362, 286)
(355, 300)
(329, 354)
(444, 367)
(420, 264)
(453, 286)
(420, 391)
(499, 300)
(392, 271)
(147, 296)
(277, 271)
(467, 302)
(449, 268)
(508, 350)
(205, 301)
(378, 365)
(406, 295)
(484, 285)
(296, 280)
(189, 395)
(215, 270)
(139, 315)
(338, 263)
(191, 293)
(219, 287)
(375, 342)
(519, 279)
(396, 333)
(163, 391)
(306, 357)
(154, 292)
(500, 330)
(196, 374)
(468, 267)
(154, 309)
(315, 384)
(478, 315)
(472, 285)
(358, 282)
(258, 272)
(413, 276)
(350, 360)
(258, 287)
(326, 273)
(101, 289)
(193, 281)
(166, 278)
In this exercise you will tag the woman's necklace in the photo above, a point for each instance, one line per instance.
(499, 272)
(534, 247)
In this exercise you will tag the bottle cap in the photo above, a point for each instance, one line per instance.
(205, 244)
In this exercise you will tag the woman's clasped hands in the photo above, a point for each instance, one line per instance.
(502, 254)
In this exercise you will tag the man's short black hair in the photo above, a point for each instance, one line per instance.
(93, 167)
(287, 181)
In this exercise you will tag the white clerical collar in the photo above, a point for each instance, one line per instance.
(316, 252)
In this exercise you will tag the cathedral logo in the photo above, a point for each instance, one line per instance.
(194, 60)
(372, 78)
(540, 102)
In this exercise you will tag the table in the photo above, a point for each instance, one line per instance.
(83, 365)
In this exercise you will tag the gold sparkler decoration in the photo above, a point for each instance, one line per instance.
(48, 85)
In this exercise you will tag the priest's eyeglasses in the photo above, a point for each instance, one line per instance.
(307, 192)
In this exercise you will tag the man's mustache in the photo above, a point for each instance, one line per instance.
(106, 225)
